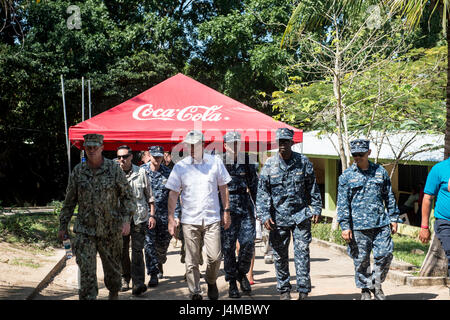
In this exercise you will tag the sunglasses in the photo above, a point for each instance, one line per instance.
(125, 156)
(358, 154)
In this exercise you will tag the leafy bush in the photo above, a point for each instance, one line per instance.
(36, 229)
(322, 231)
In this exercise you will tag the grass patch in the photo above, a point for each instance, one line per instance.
(403, 245)
(36, 230)
(25, 263)
(322, 231)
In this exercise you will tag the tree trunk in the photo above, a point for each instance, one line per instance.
(447, 126)
(435, 263)
(338, 96)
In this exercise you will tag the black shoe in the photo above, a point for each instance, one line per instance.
(138, 290)
(113, 296)
(197, 296)
(213, 292)
(245, 285)
(125, 285)
(153, 281)
(365, 294)
(160, 273)
(233, 291)
(302, 296)
(285, 296)
(378, 294)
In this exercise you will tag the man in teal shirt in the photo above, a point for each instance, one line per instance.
(437, 185)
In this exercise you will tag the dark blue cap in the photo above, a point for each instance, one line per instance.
(156, 151)
(232, 136)
(285, 133)
(359, 145)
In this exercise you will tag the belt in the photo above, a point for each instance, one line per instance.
(238, 192)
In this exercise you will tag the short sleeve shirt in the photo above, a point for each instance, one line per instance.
(198, 183)
(437, 185)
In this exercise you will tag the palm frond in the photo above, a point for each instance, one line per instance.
(311, 14)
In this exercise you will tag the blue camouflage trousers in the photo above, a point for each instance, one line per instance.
(242, 229)
(156, 243)
(379, 241)
(279, 239)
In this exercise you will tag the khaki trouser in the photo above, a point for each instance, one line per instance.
(193, 235)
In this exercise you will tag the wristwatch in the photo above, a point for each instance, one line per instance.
(227, 210)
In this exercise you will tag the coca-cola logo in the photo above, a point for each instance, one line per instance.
(189, 113)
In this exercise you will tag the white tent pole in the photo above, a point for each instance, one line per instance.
(89, 89)
(82, 111)
(65, 123)
(82, 98)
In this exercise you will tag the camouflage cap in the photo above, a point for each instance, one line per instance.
(93, 140)
(232, 136)
(194, 137)
(285, 133)
(359, 145)
(156, 151)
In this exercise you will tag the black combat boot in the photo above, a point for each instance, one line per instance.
(365, 294)
(233, 291)
(113, 296)
(139, 289)
(302, 296)
(161, 272)
(285, 295)
(245, 285)
(125, 285)
(378, 294)
(153, 280)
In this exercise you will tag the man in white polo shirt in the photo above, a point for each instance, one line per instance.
(199, 176)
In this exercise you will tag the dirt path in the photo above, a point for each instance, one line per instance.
(332, 278)
(22, 269)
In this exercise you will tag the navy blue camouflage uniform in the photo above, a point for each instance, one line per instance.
(288, 193)
(363, 197)
(157, 240)
(242, 194)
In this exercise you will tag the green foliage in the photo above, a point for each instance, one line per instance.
(322, 231)
(403, 245)
(39, 230)
(126, 47)
(408, 94)
(122, 47)
(239, 53)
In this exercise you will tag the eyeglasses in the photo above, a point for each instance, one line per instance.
(125, 156)
(358, 154)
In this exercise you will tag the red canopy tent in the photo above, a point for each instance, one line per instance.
(164, 114)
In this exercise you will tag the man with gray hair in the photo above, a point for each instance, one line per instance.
(105, 205)
(199, 176)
